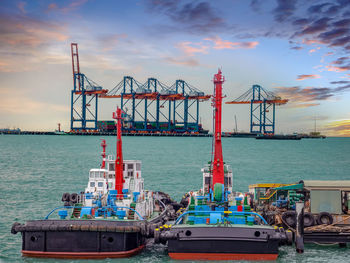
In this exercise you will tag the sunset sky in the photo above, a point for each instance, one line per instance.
(297, 49)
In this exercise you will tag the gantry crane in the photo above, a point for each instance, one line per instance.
(84, 97)
(154, 106)
(261, 101)
(158, 107)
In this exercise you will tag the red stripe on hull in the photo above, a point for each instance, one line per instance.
(222, 256)
(82, 255)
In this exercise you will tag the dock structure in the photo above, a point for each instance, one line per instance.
(149, 107)
(262, 108)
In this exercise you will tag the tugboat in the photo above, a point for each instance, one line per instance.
(111, 218)
(217, 223)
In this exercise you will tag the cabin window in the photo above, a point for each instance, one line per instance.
(130, 174)
(138, 166)
(111, 166)
(207, 180)
(100, 184)
(230, 181)
(110, 176)
(123, 166)
(92, 184)
(225, 180)
(91, 174)
(130, 166)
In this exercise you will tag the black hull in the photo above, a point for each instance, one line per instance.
(235, 243)
(81, 238)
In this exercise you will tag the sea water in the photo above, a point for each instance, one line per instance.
(36, 170)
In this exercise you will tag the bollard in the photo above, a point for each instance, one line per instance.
(299, 235)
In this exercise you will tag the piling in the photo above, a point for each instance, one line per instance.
(299, 234)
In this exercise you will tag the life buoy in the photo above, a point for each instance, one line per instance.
(290, 218)
(309, 220)
(324, 218)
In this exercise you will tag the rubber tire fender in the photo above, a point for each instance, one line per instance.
(65, 197)
(73, 198)
(309, 220)
(321, 216)
(290, 217)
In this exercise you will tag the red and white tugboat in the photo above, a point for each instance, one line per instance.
(112, 218)
(217, 224)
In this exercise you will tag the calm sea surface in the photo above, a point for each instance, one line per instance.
(36, 170)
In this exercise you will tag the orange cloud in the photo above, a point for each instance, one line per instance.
(311, 76)
(26, 31)
(190, 48)
(312, 41)
(182, 61)
(314, 50)
(25, 41)
(339, 128)
(338, 69)
(225, 44)
(72, 6)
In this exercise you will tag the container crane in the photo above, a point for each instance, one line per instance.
(84, 97)
(262, 108)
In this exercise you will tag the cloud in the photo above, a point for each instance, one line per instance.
(17, 103)
(110, 42)
(190, 48)
(339, 65)
(53, 7)
(25, 40)
(300, 21)
(339, 128)
(296, 48)
(21, 7)
(224, 44)
(342, 23)
(335, 37)
(340, 82)
(314, 50)
(255, 5)
(302, 97)
(182, 61)
(193, 17)
(338, 69)
(318, 118)
(315, 27)
(311, 76)
(284, 9)
(23, 31)
(316, 9)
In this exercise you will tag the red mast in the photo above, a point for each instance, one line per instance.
(218, 163)
(103, 144)
(119, 180)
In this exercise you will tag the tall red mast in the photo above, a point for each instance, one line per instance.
(119, 180)
(218, 163)
(103, 144)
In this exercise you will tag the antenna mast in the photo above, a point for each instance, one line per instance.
(119, 179)
(218, 163)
